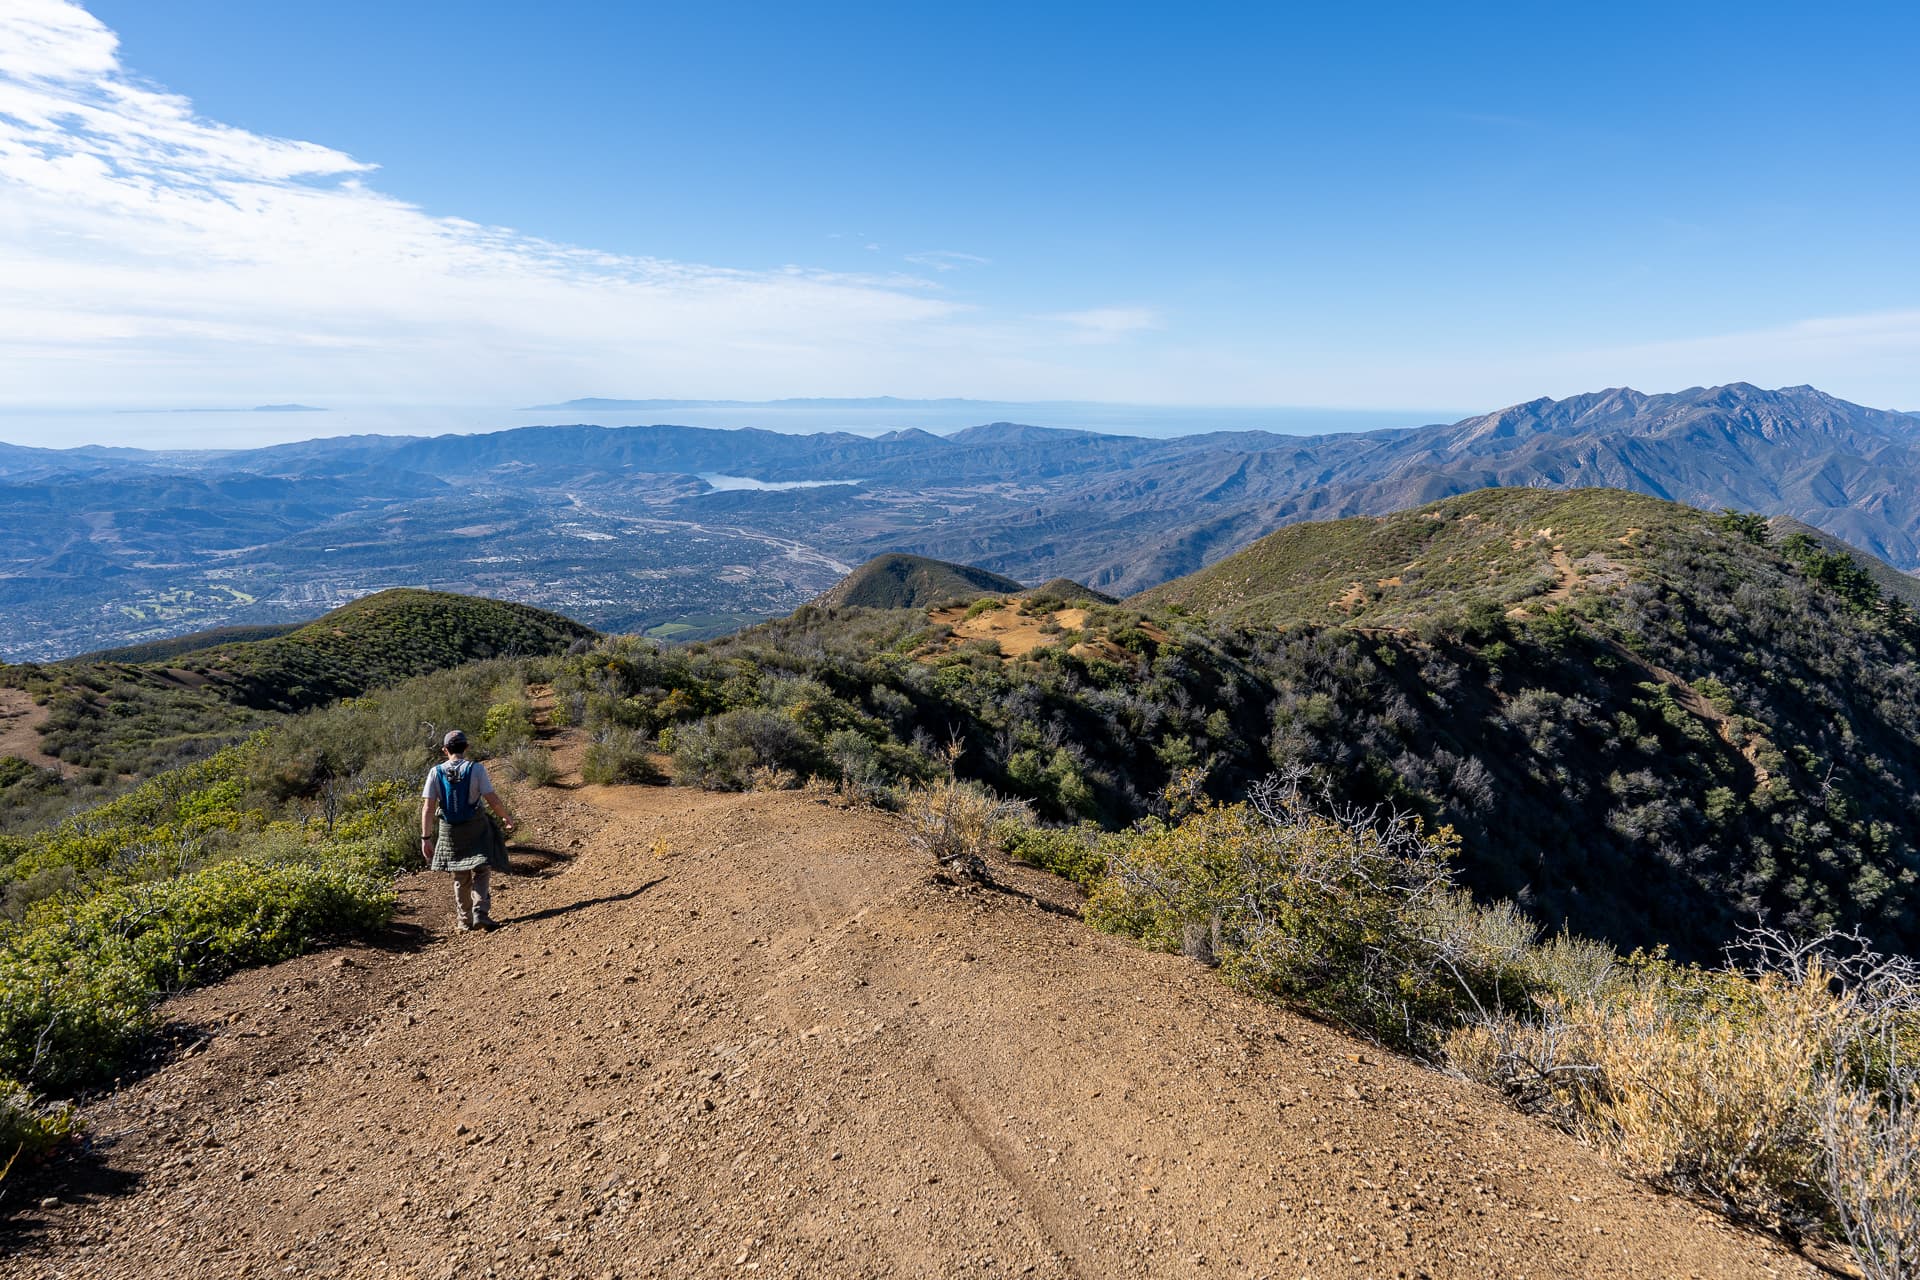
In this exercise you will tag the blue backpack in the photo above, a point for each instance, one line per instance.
(456, 799)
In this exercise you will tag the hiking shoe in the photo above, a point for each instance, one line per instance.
(485, 921)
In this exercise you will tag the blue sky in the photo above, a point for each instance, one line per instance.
(1382, 206)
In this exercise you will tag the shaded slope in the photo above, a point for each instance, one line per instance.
(1651, 723)
(913, 582)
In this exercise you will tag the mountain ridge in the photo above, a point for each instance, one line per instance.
(616, 524)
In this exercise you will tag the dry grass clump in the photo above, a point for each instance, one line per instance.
(766, 777)
(1870, 1142)
(956, 824)
(1783, 1086)
(1352, 915)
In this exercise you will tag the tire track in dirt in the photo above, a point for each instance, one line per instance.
(780, 1050)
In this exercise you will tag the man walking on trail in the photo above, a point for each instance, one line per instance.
(463, 841)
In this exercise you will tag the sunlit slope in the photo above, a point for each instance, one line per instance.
(1509, 548)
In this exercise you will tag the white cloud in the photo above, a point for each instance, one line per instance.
(947, 259)
(148, 253)
(52, 39)
(1107, 324)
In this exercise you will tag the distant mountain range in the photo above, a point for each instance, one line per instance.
(797, 402)
(622, 527)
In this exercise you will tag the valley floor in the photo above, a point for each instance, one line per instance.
(746, 1035)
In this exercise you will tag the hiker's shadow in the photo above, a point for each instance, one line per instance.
(550, 912)
(535, 860)
(85, 1174)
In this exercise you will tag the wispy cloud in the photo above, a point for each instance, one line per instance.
(947, 259)
(1106, 324)
(148, 251)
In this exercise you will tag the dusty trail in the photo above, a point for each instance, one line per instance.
(744, 1035)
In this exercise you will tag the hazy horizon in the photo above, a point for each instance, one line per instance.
(247, 427)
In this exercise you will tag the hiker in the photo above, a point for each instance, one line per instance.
(463, 842)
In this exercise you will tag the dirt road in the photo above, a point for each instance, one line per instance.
(746, 1036)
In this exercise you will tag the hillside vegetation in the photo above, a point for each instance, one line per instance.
(1496, 782)
(378, 640)
(1647, 723)
(912, 582)
(107, 723)
(262, 851)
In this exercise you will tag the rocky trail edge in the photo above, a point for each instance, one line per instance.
(748, 1035)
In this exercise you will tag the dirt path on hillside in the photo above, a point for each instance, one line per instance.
(20, 721)
(744, 1035)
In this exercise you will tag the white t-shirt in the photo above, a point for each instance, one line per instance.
(478, 783)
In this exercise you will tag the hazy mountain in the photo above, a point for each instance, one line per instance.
(805, 402)
(1841, 467)
(622, 526)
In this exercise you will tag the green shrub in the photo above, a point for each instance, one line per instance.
(535, 765)
(618, 756)
(721, 752)
(1078, 853)
(29, 1127)
(507, 725)
(78, 984)
(1358, 921)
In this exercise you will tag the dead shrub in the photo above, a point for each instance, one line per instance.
(1783, 1086)
(956, 824)
(1870, 1148)
(766, 777)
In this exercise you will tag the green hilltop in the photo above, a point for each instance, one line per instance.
(1493, 547)
(105, 722)
(192, 642)
(378, 640)
(913, 582)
